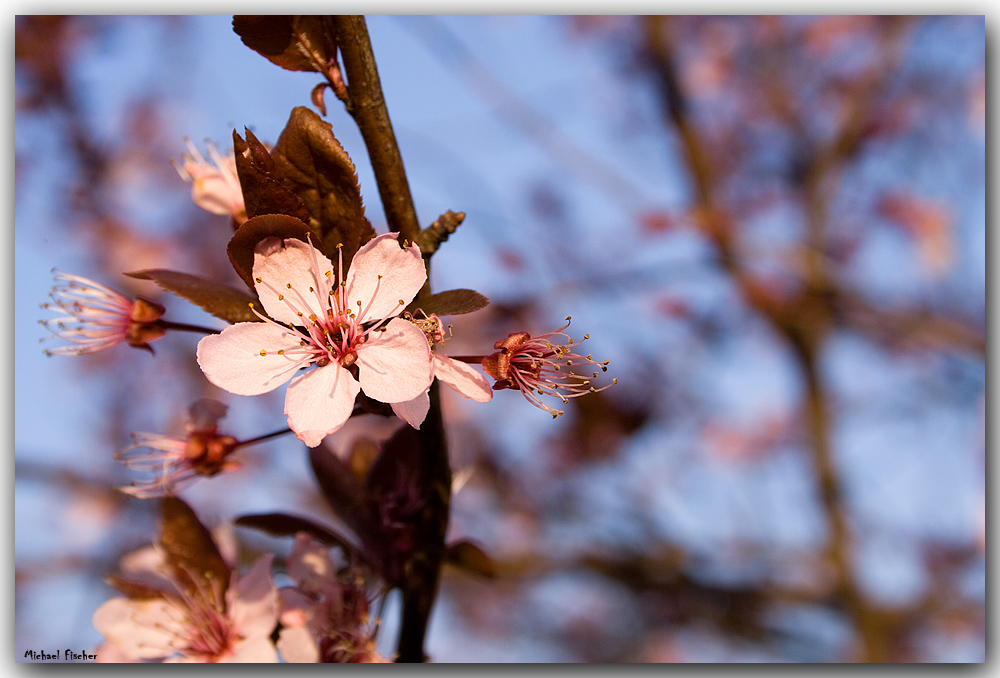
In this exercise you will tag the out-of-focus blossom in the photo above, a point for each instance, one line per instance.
(325, 616)
(454, 373)
(542, 365)
(215, 186)
(176, 461)
(164, 622)
(928, 223)
(94, 317)
(345, 327)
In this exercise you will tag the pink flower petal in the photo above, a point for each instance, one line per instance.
(319, 402)
(395, 365)
(253, 651)
(310, 566)
(463, 378)
(232, 361)
(252, 601)
(280, 263)
(402, 275)
(213, 193)
(414, 411)
(297, 646)
(141, 629)
(296, 607)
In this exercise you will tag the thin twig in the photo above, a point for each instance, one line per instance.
(366, 104)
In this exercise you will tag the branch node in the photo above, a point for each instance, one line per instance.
(430, 238)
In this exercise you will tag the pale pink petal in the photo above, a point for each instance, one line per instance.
(145, 566)
(109, 653)
(296, 607)
(280, 263)
(309, 564)
(402, 275)
(297, 646)
(253, 651)
(414, 411)
(232, 360)
(463, 378)
(224, 537)
(252, 601)
(212, 193)
(142, 629)
(395, 365)
(319, 402)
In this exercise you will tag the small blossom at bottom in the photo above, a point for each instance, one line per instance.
(95, 317)
(325, 616)
(543, 365)
(169, 623)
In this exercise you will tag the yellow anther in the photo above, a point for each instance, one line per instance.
(312, 316)
(586, 336)
(281, 297)
(288, 285)
(401, 304)
(282, 352)
(339, 245)
(263, 352)
(613, 381)
(259, 279)
(311, 289)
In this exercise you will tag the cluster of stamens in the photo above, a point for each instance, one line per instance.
(543, 365)
(332, 337)
(95, 317)
(176, 461)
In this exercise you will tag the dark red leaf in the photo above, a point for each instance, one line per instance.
(220, 300)
(283, 525)
(316, 168)
(241, 245)
(296, 43)
(189, 550)
(468, 556)
(264, 188)
(133, 589)
(450, 302)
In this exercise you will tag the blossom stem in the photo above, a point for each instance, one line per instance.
(184, 327)
(470, 359)
(258, 439)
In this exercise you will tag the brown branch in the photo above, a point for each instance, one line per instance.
(803, 320)
(366, 104)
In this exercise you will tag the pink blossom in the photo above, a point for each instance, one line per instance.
(456, 374)
(542, 365)
(170, 624)
(345, 328)
(215, 186)
(325, 616)
(95, 317)
(177, 461)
